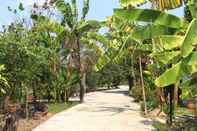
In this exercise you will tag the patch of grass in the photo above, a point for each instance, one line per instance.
(58, 107)
(160, 126)
(184, 111)
(187, 125)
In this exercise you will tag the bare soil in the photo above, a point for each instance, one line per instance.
(28, 125)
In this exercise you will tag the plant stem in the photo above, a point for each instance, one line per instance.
(143, 88)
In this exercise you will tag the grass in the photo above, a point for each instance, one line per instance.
(58, 107)
(160, 126)
(183, 111)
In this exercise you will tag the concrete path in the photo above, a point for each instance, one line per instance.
(109, 110)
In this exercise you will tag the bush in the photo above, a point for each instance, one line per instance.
(92, 80)
(151, 98)
(136, 93)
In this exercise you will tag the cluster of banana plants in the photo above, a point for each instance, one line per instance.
(171, 40)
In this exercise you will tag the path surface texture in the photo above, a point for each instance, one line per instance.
(111, 110)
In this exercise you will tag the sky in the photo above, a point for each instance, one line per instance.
(99, 9)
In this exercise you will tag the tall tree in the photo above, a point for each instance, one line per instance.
(76, 28)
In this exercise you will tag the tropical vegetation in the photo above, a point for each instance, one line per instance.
(53, 59)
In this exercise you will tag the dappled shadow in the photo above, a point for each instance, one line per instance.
(113, 110)
(148, 122)
(118, 92)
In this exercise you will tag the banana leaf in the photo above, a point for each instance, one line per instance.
(151, 16)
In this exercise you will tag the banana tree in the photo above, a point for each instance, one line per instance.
(140, 34)
(187, 59)
(76, 27)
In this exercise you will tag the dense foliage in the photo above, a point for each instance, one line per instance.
(53, 59)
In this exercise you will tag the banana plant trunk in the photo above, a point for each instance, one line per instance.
(82, 88)
(26, 103)
(133, 69)
(84, 81)
(142, 84)
(176, 87)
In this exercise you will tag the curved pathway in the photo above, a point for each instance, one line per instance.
(110, 110)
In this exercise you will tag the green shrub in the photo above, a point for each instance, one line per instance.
(136, 93)
(151, 98)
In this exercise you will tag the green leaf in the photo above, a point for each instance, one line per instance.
(170, 76)
(151, 31)
(190, 63)
(144, 47)
(74, 10)
(193, 9)
(151, 16)
(190, 39)
(85, 9)
(192, 59)
(21, 7)
(89, 25)
(66, 10)
(102, 61)
(166, 56)
(169, 42)
(2, 67)
(126, 3)
(98, 37)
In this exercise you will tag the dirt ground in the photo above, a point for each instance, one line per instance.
(28, 125)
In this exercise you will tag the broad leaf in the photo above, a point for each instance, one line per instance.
(98, 37)
(190, 39)
(166, 56)
(169, 42)
(190, 63)
(144, 47)
(169, 77)
(192, 59)
(152, 16)
(151, 31)
(193, 8)
(85, 8)
(66, 10)
(126, 3)
(89, 25)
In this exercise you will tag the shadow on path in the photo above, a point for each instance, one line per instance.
(117, 92)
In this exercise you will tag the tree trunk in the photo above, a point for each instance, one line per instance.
(171, 113)
(82, 92)
(82, 88)
(63, 92)
(67, 95)
(26, 104)
(48, 95)
(57, 96)
(175, 98)
(130, 82)
(84, 81)
(133, 70)
(34, 92)
(143, 88)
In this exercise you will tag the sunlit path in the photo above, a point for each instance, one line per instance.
(102, 111)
